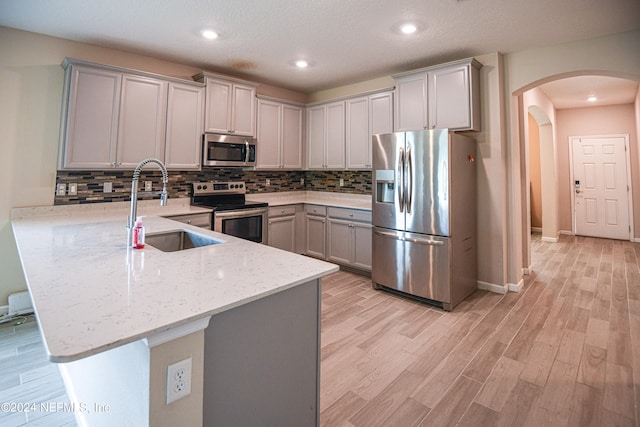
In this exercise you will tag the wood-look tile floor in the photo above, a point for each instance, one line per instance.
(565, 351)
(30, 384)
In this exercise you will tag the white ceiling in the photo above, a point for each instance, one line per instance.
(346, 41)
(573, 92)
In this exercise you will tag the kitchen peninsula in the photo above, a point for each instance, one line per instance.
(245, 315)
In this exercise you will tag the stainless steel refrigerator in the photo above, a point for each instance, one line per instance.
(424, 215)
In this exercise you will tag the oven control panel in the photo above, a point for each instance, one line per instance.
(217, 187)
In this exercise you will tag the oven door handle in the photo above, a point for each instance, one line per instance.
(239, 213)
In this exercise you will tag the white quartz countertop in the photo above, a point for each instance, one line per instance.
(91, 293)
(342, 200)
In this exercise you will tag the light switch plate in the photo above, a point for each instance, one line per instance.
(73, 189)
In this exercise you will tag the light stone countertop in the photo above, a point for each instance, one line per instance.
(341, 200)
(91, 293)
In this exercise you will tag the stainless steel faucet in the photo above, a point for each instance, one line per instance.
(134, 193)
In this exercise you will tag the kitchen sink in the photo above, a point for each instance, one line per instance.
(179, 240)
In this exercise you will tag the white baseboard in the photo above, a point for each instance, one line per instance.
(515, 287)
(536, 229)
(4, 309)
(637, 240)
(526, 270)
(566, 232)
(492, 287)
(549, 239)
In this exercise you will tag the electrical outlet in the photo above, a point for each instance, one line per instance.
(61, 189)
(178, 380)
(73, 189)
(148, 186)
(267, 182)
(341, 182)
(301, 181)
(107, 187)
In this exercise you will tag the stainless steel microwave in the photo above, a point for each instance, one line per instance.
(228, 150)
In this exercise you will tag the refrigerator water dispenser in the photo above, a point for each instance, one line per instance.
(385, 186)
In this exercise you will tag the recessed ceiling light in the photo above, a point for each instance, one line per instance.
(301, 63)
(209, 34)
(408, 29)
(592, 98)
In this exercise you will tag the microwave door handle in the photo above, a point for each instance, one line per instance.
(246, 152)
(400, 175)
(409, 180)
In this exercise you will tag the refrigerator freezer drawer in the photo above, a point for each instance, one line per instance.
(416, 264)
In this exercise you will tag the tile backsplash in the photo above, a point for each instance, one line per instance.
(90, 183)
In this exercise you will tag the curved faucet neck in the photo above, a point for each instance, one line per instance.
(134, 193)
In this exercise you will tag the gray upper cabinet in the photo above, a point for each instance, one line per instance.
(230, 105)
(141, 128)
(443, 96)
(185, 113)
(90, 131)
(326, 136)
(114, 118)
(279, 142)
(366, 116)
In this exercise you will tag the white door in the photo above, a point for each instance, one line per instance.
(600, 187)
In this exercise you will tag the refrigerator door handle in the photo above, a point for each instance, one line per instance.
(429, 242)
(409, 179)
(400, 174)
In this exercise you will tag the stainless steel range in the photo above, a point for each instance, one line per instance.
(232, 213)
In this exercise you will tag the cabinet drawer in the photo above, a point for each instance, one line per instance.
(351, 214)
(199, 220)
(315, 210)
(275, 211)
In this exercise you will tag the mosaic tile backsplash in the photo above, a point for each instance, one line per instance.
(90, 183)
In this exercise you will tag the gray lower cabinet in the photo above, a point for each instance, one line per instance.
(282, 228)
(316, 225)
(338, 235)
(349, 237)
(262, 361)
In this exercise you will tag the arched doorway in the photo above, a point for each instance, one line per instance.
(544, 116)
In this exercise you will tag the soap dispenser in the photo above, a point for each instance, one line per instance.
(138, 234)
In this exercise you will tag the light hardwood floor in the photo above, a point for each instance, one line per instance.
(565, 351)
